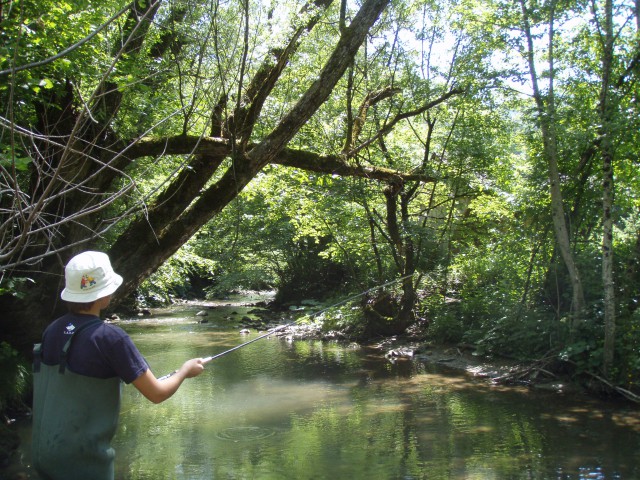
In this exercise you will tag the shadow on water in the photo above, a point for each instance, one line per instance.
(314, 410)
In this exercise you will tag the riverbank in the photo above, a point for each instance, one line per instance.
(547, 373)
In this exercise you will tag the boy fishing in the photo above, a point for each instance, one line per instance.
(78, 370)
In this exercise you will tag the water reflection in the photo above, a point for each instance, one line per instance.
(312, 410)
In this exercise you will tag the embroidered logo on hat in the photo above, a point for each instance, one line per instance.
(87, 282)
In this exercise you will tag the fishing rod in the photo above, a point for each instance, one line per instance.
(271, 331)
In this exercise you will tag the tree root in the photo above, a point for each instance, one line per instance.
(629, 395)
(533, 370)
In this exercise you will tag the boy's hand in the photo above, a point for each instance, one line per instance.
(193, 368)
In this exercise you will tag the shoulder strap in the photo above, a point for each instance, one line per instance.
(37, 357)
(37, 354)
(67, 346)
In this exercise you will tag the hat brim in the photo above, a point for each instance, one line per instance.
(88, 297)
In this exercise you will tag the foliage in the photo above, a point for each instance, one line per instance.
(347, 318)
(15, 380)
(15, 286)
(281, 242)
(627, 350)
(185, 275)
(455, 146)
(307, 274)
(248, 242)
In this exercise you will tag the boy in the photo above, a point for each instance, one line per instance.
(78, 370)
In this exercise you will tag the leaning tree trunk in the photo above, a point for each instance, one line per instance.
(138, 255)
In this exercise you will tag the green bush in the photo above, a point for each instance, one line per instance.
(627, 361)
(494, 325)
(446, 326)
(345, 318)
(308, 274)
(185, 275)
(15, 378)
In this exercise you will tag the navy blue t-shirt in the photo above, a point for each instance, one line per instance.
(101, 351)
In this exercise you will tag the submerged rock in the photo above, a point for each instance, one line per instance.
(556, 386)
(400, 353)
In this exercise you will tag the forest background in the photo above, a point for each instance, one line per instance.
(482, 154)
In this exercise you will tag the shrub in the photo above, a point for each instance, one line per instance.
(15, 378)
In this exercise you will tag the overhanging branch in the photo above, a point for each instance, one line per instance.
(310, 161)
(336, 165)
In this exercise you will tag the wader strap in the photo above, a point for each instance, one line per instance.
(67, 346)
(37, 357)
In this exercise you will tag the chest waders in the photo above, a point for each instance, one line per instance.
(74, 420)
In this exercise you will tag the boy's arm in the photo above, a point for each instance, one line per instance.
(159, 390)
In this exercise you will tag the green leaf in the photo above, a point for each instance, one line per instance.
(46, 83)
(19, 163)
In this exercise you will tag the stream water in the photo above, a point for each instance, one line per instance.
(278, 409)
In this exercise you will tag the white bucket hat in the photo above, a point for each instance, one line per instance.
(88, 277)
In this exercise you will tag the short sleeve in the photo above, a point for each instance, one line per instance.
(124, 357)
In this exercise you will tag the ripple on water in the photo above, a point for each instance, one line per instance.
(245, 434)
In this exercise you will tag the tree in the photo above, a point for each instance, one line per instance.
(606, 147)
(547, 118)
(88, 135)
(617, 80)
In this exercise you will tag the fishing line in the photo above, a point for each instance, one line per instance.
(271, 331)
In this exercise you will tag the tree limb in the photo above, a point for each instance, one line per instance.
(337, 165)
(404, 115)
(310, 161)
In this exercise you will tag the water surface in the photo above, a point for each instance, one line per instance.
(278, 409)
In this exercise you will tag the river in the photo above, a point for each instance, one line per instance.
(281, 409)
